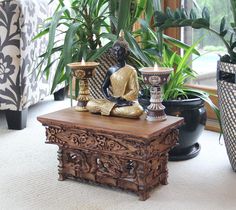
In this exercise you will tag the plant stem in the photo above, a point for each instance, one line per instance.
(222, 38)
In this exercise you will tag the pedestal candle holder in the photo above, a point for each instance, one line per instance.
(83, 71)
(155, 77)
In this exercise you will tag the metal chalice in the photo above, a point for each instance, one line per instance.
(83, 71)
(155, 77)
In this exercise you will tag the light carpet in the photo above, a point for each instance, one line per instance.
(28, 176)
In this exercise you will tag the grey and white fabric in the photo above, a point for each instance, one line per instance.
(19, 23)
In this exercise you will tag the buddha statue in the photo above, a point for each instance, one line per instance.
(123, 81)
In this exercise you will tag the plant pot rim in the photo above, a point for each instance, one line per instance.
(185, 102)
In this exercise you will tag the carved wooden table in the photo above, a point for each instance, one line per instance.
(131, 154)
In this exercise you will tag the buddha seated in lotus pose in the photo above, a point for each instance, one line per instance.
(123, 81)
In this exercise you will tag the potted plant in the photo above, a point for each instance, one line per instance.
(79, 28)
(186, 102)
(179, 99)
(87, 29)
(226, 66)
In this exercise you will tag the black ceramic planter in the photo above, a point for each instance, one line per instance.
(194, 115)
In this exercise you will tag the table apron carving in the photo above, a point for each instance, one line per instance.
(116, 160)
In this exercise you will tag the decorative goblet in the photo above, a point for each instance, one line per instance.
(155, 77)
(83, 71)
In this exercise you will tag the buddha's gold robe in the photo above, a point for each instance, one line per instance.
(124, 84)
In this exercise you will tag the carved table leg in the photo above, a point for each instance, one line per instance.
(143, 195)
(164, 170)
(163, 178)
(60, 166)
(141, 175)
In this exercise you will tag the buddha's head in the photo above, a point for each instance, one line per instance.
(120, 48)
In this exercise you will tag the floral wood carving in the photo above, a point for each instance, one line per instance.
(87, 139)
(162, 143)
(82, 163)
(102, 158)
(51, 136)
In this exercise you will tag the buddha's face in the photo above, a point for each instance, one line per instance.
(119, 52)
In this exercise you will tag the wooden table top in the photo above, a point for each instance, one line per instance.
(136, 127)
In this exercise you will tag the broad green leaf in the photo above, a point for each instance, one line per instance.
(68, 46)
(169, 13)
(193, 14)
(160, 18)
(111, 37)
(123, 14)
(172, 59)
(52, 30)
(54, 50)
(141, 5)
(40, 34)
(205, 14)
(114, 21)
(99, 52)
(135, 48)
(184, 14)
(69, 41)
(179, 44)
(177, 14)
(58, 74)
(223, 33)
(149, 11)
(222, 25)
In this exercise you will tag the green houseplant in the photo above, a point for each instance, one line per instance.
(86, 29)
(186, 102)
(74, 33)
(179, 99)
(226, 66)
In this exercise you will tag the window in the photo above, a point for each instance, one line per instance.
(211, 46)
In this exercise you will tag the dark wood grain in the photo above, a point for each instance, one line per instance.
(117, 152)
(137, 127)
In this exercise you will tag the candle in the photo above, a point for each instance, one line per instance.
(82, 62)
(155, 67)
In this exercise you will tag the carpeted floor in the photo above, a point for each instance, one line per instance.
(28, 176)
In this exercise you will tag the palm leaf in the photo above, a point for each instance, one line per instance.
(141, 6)
(123, 14)
(69, 42)
(52, 30)
(187, 55)
(100, 51)
(58, 74)
(136, 50)
(179, 44)
(41, 34)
